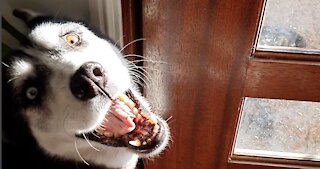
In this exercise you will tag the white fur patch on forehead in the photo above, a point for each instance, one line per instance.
(49, 34)
(20, 70)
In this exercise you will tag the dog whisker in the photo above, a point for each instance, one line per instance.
(134, 55)
(143, 67)
(169, 118)
(12, 79)
(135, 67)
(5, 64)
(146, 68)
(147, 76)
(140, 83)
(85, 137)
(144, 72)
(139, 76)
(95, 134)
(116, 43)
(104, 92)
(76, 146)
(147, 60)
(141, 39)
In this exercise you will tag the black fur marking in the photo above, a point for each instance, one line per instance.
(39, 82)
(20, 149)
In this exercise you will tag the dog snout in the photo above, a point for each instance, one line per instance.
(87, 81)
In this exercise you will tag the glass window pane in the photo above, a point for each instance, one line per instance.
(279, 128)
(291, 26)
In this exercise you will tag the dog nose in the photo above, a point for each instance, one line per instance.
(87, 80)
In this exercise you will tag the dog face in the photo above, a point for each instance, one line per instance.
(63, 83)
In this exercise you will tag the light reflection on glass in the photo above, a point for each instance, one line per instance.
(291, 25)
(279, 128)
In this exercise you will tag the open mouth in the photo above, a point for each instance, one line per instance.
(148, 132)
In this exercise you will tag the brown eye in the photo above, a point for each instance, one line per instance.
(72, 39)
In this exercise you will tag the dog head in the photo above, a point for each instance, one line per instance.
(61, 84)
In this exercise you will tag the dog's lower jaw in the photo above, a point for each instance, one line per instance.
(72, 148)
(120, 158)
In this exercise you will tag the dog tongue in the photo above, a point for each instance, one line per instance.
(123, 117)
(119, 120)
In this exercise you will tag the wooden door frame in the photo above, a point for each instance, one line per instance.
(132, 25)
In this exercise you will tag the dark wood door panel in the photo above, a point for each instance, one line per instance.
(201, 82)
(295, 80)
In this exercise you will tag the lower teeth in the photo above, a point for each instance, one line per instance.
(136, 143)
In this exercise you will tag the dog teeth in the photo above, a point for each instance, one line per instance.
(156, 129)
(99, 130)
(108, 134)
(153, 119)
(146, 126)
(144, 143)
(136, 143)
(135, 111)
(125, 99)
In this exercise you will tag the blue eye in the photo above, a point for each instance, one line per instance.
(32, 93)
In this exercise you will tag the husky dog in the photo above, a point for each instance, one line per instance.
(69, 101)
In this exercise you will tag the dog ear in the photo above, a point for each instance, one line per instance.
(30, 18)
(25, 15)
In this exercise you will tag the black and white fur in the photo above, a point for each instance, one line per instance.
(39, 126)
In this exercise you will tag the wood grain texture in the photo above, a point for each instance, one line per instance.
(283, 80)
(205, 46)
(286, 56)
(199, 63)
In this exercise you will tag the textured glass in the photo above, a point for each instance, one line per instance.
(291, 26)
(279, 128)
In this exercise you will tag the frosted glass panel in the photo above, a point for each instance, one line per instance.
(291, 25)
(279, 128)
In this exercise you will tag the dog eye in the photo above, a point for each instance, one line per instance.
(72, 39)
(32, 93)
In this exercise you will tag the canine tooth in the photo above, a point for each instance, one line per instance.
(108, 134)
(156, 128)
(149, 140)
(136, 143)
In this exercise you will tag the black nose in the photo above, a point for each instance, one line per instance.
(84, 83)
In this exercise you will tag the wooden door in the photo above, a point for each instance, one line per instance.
(201, 62)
